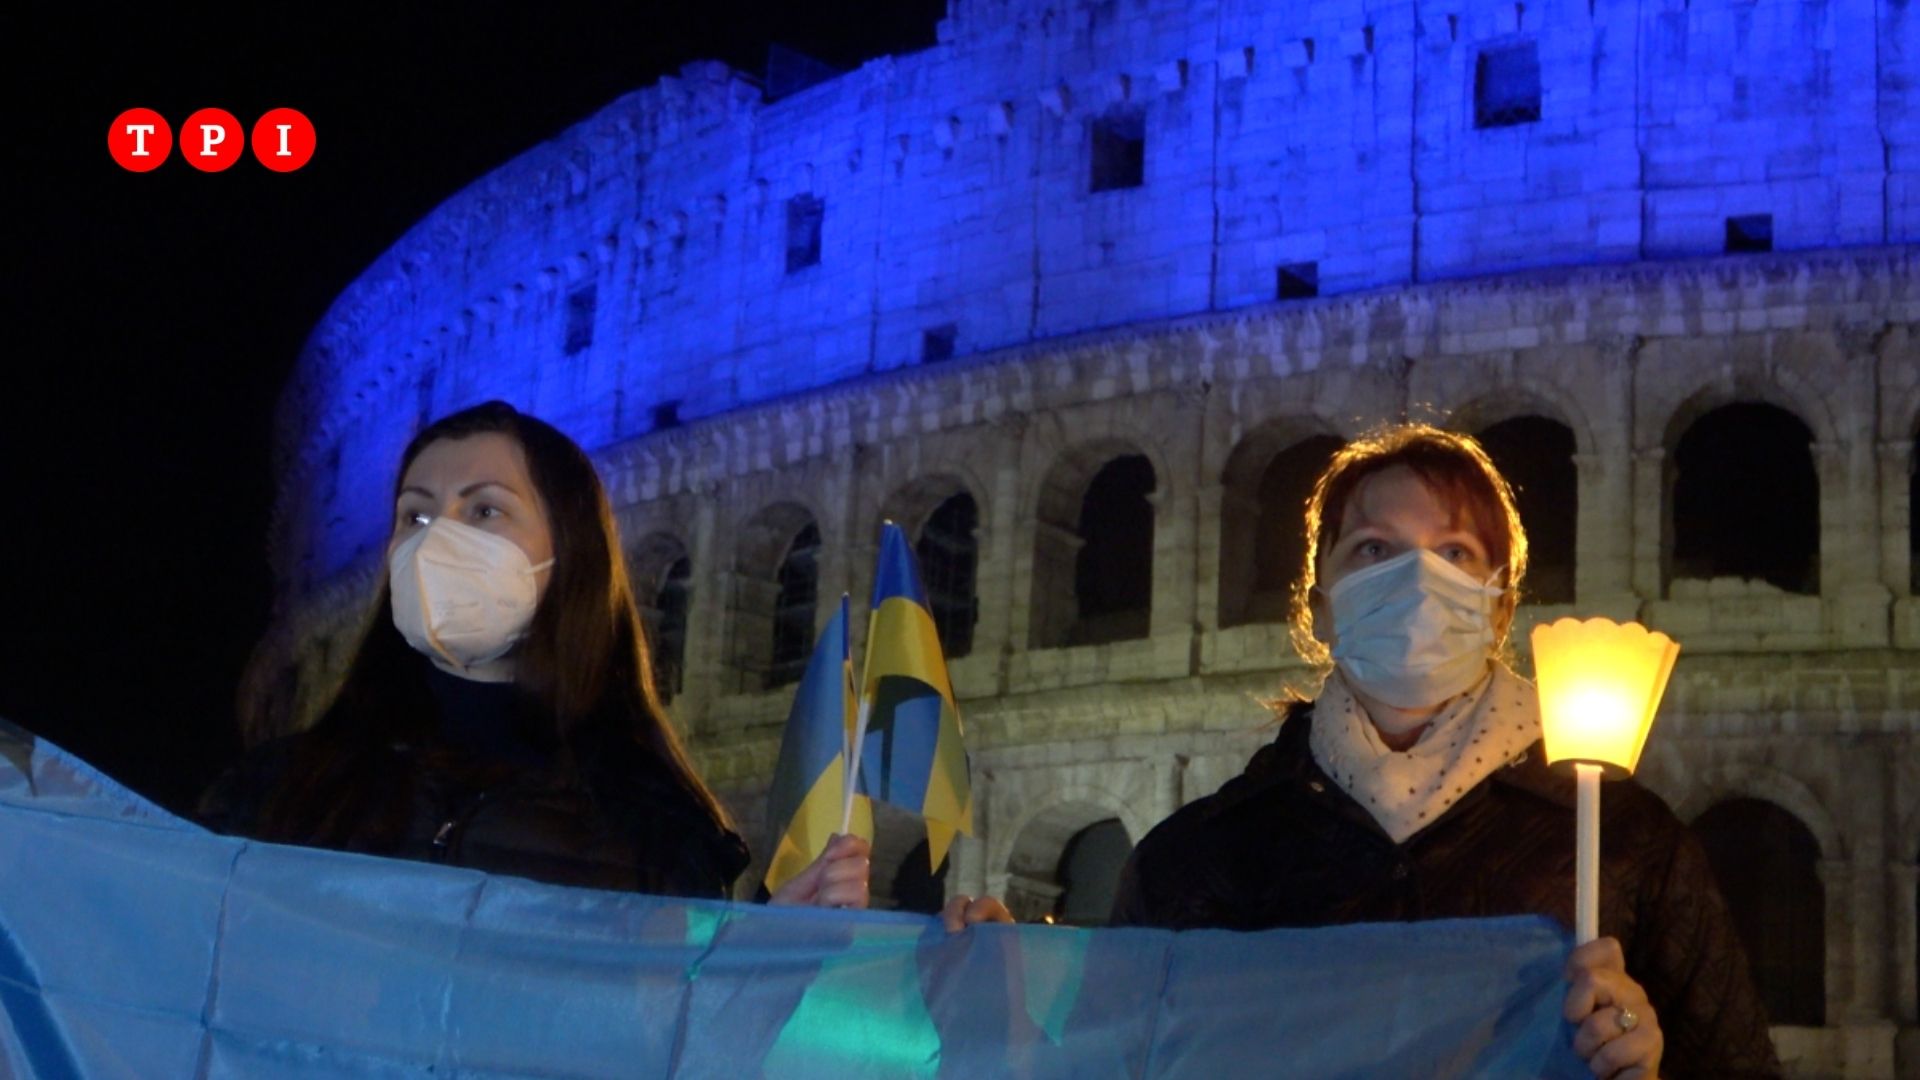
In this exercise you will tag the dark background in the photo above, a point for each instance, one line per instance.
(158, 315)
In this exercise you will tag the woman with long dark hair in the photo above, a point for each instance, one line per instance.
(500, 711)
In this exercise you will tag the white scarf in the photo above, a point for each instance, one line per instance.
(1480, 730)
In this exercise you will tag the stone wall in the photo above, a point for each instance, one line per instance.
(638, 262)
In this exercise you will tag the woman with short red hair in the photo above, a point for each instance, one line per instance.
(1414, 786)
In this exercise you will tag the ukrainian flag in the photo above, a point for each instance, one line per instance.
(810, 783)
(911, 751)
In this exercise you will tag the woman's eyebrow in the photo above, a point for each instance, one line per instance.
(1357, 535)
(468, 491)
(465, 492)
(1466, 534)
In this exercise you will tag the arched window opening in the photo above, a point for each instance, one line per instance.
(1263, 537)
(1089, 873)
(1113, 573)
(1745, 499)
(667, 628)
(1093, 548)
(793, 608)
(662, 577)
(1767, 864)
(949, 559)
(770, 595)
(1535, 454)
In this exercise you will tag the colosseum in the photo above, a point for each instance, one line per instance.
(1082, 295)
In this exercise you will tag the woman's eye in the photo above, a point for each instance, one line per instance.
(1371, 549)
(414, 518)
(485, 511)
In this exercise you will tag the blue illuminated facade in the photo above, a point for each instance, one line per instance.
(1048, 169)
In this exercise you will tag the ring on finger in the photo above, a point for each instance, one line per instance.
(1627, 1019)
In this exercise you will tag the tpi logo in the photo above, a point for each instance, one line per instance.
(211, 140)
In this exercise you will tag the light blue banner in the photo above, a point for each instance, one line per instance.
(134, 944)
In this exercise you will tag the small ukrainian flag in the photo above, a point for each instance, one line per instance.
(810, 782)
(912, 753)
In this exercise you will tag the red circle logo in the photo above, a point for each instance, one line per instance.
(139, 140)
(283, 140)
(210, 140)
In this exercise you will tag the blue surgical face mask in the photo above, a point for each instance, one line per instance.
(1414, 630)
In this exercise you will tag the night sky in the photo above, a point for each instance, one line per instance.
(163, 312)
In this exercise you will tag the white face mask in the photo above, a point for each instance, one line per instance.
(462, 593)
(1414, 630)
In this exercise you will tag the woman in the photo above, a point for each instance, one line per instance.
(500, 713)
(1415, 787)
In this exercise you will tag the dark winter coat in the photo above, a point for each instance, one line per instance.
(484, 797)
(1283, 846)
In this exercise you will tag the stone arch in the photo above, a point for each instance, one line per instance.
(1065, 480)
(1781, 389)
(1717, 784)
(1056, 439)
(1249, 456)
(649, 558)
(1768, 866)
(762, 545)
(1255, 543)
(1031, 853)
(1526, 447)
(1532, 398)
(1060, 613)
(1068, 808)
(909, 505)
(760, 538)
(661, 571)
(948, 550)
(1714, 505)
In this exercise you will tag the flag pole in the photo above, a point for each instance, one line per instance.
(865, 706)
(861, 713)
(853, 767)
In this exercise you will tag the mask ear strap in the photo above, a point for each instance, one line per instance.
(542, 566)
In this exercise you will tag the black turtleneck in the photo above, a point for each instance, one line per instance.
(488, 719)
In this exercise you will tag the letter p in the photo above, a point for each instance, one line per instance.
(218, 148)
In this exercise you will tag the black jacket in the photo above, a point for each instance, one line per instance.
(1283, 846)
(480, 796)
